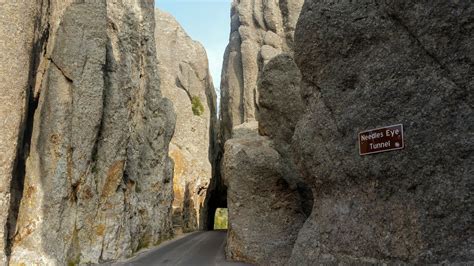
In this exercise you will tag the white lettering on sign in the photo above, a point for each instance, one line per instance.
(381, 139)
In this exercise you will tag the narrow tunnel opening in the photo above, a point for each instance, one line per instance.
(217, 200)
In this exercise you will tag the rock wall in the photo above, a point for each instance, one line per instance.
(281, 106)
(185, 80)
(17, 21)
(267, 201)
(260, 30)
(97, 181)
(265, 214)
(365, 65)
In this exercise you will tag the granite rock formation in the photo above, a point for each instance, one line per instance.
(281, 106)
(265, 214)
(88, 132)
(185, 80)
(258, 63)
(16, 31)
(260, 30)
(365, 65)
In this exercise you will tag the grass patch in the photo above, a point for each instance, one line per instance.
(143, 243)
(198, 108)
(75, 261)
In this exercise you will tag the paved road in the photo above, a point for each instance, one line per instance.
(196, 249)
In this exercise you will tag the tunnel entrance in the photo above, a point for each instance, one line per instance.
(216, 196)
(217, 200)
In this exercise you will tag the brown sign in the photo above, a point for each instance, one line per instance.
(381, 139)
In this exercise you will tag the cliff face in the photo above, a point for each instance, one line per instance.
(371, 65)
(363, 65)
(258, 62)
(16, 28)
(97, 179)
(260, 30)
(185, 80)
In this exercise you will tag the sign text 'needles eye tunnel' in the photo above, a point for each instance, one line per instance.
(381, 139)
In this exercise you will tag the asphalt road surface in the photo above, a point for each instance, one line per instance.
(199, 248)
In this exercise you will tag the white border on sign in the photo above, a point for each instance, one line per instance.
(399, 148)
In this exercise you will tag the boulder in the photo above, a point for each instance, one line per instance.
(264, 212)
(281, 106)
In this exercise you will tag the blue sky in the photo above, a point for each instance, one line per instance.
(206, 21)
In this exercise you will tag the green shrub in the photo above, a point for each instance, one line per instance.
(221, 219)
(143, 243)
(198, 108)
(75, 261)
